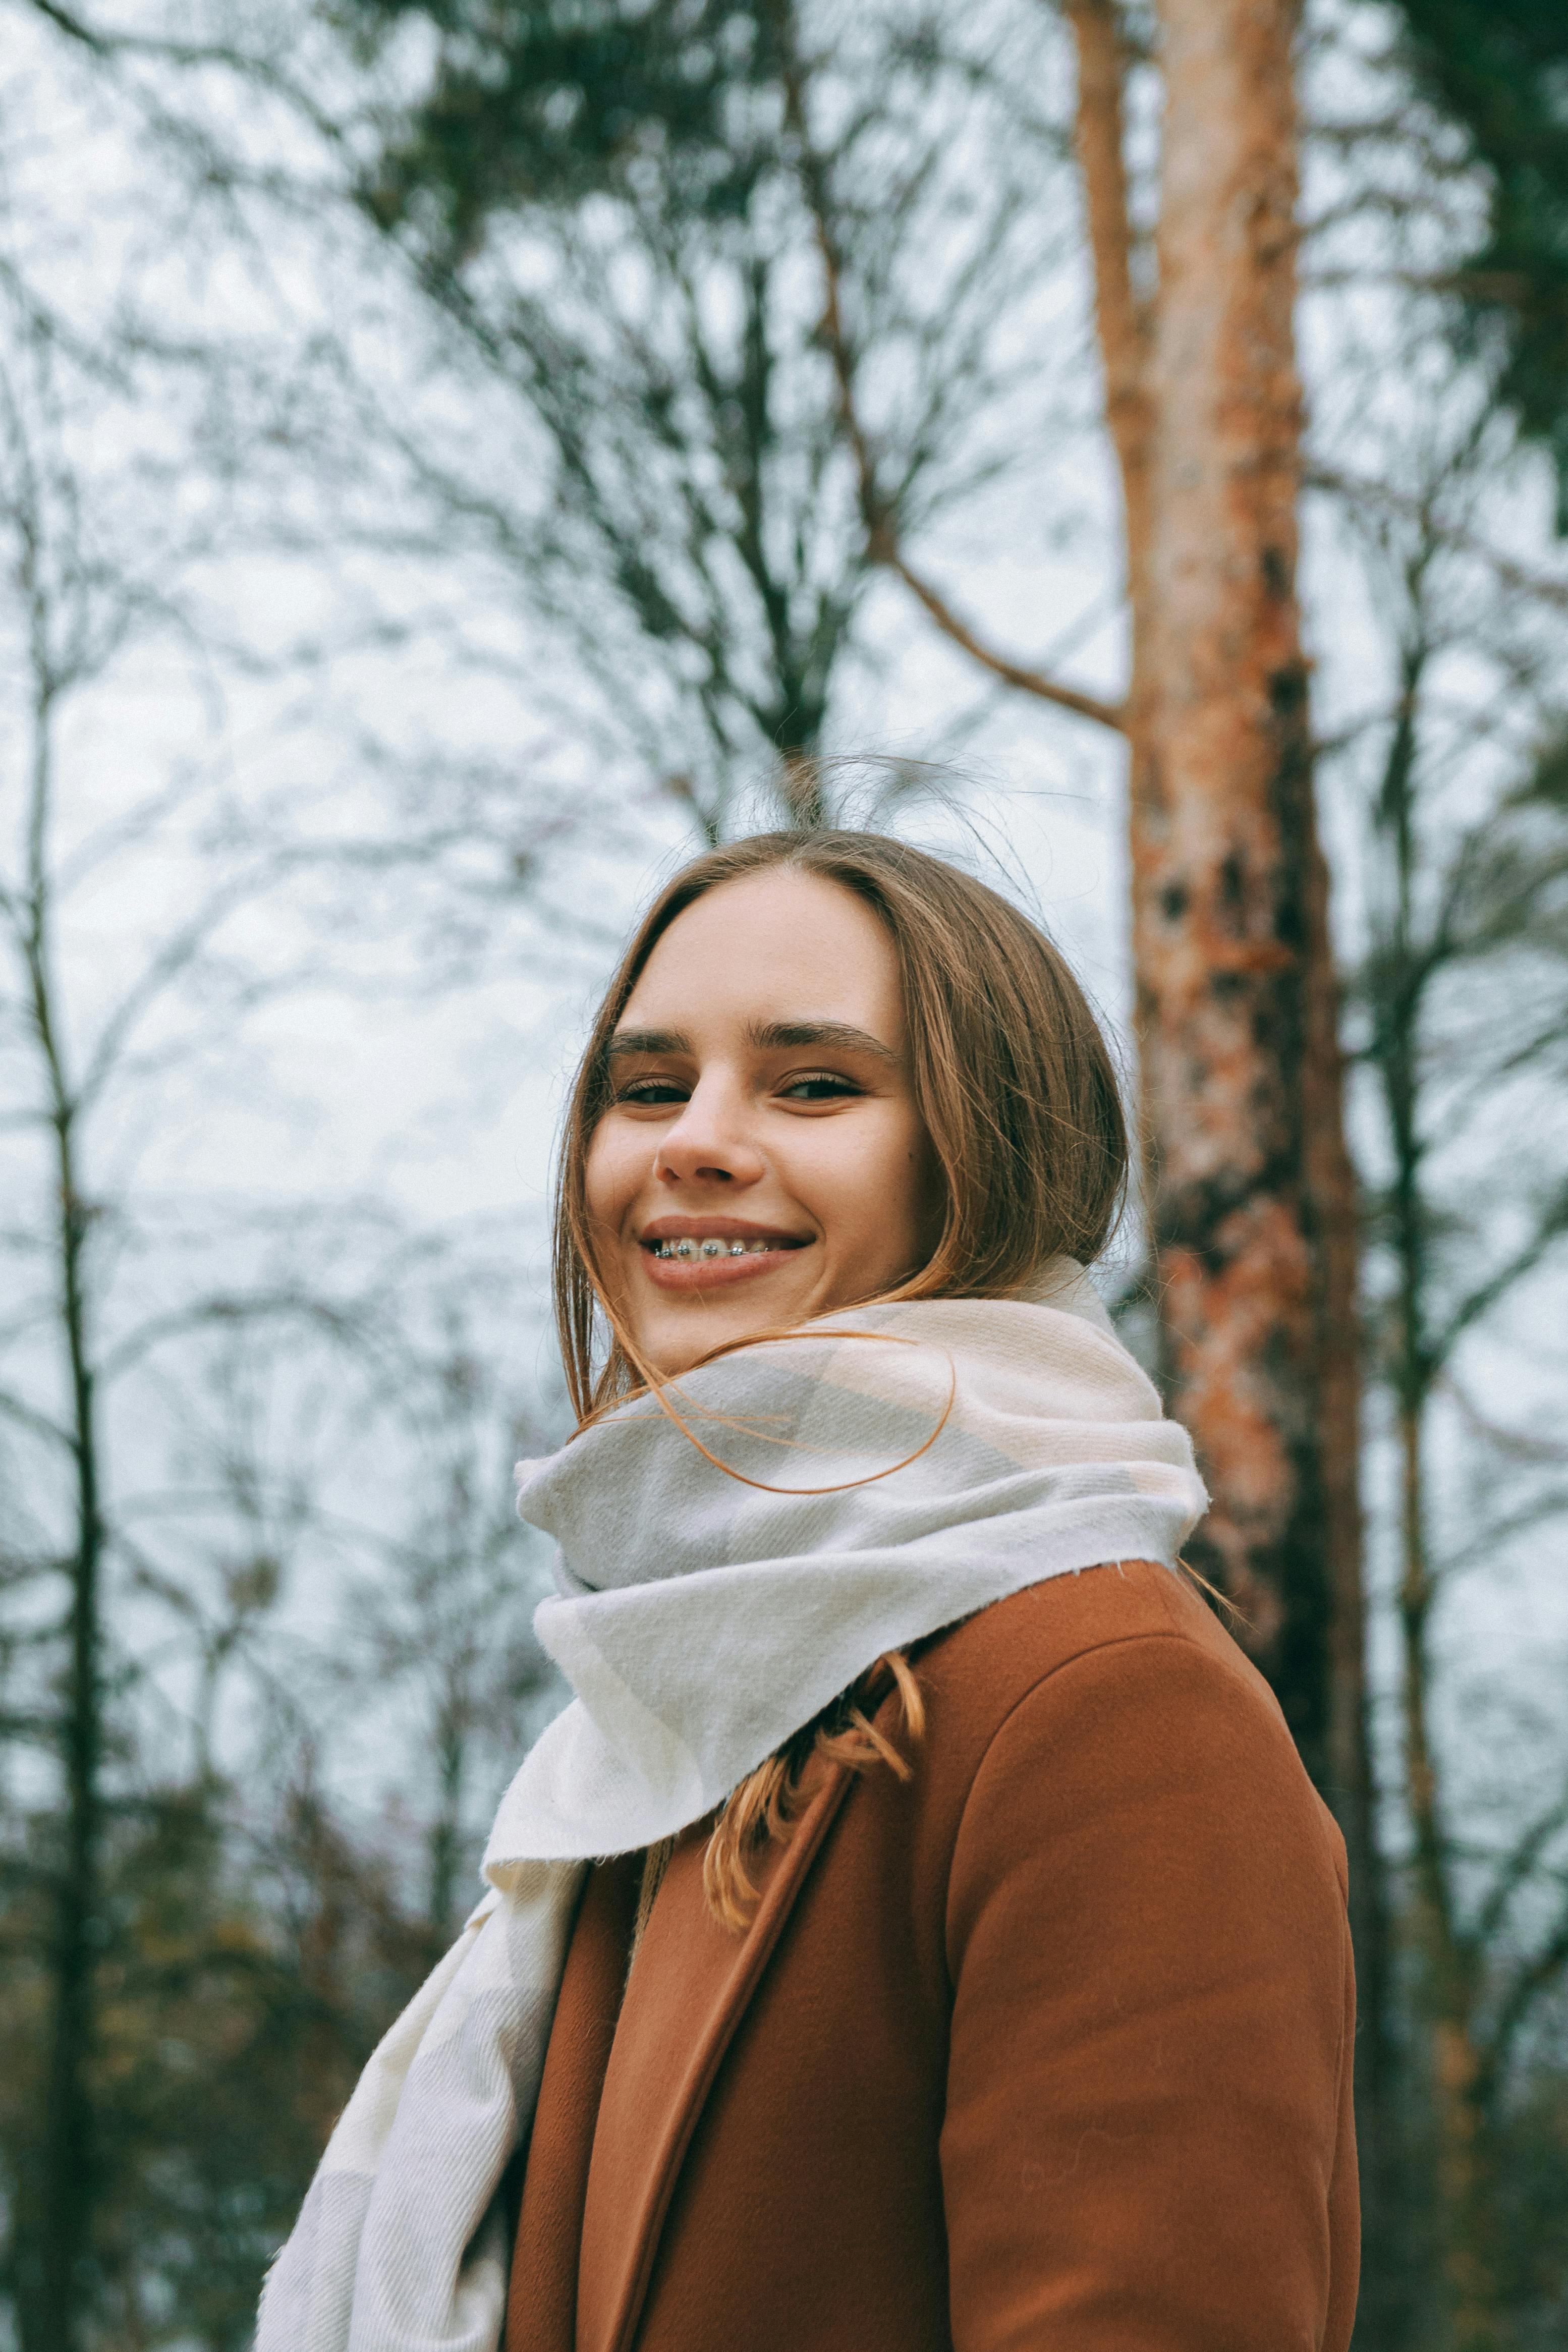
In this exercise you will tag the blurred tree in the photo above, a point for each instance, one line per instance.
(245, 1967)
(436, 1628)
(1461, 1006)
(181, 1384)
(1495, 69)
(606, 207)
(1250, 1197)
(75, 605)
(69, 615)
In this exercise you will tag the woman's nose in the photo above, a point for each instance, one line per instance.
(709, 1142)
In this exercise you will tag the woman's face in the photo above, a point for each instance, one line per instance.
(762, 1160)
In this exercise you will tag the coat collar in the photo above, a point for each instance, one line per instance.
(688, 1990)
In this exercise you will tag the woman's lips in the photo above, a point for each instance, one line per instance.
(736, 1259)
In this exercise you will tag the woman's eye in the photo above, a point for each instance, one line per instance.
(652, 1090)
(822, 1086)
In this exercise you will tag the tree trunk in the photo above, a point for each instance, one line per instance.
(445, 1831)
(1231, 927)
(1226, 869)
(1349, 1786)
(56, 2288)
(58, 2207)
(70, 2158)
(1449, 1963)
(1450, 1990)
(1249, 1181)
(1121, 322)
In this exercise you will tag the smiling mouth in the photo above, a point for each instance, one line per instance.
(691, 1259)
(712, 1247)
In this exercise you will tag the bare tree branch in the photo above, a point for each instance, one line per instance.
(40, 1425)
(1362, 491)
(1550, 1227)
(1015, 674)
(1532, 1982)
(1515, 1870)
(879, 511)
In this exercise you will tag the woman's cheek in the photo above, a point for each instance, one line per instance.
(613, 1173)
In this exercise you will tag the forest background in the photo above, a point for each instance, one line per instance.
(456, 459)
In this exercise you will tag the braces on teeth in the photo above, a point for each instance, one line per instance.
(710, 1249)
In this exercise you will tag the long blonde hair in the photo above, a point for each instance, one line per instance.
(1018, 1093)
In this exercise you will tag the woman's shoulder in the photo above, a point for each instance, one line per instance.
(991, 1660)
(1122, 1657)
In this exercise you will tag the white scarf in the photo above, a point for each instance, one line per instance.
(700, 1622)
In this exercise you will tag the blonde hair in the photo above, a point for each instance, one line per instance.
(1018, 1093)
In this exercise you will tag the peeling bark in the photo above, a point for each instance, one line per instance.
(1250, 1194)
(1243, 1095)
(1227, 923)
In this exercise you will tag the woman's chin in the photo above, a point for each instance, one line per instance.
(675, 1334)
(678, 1343)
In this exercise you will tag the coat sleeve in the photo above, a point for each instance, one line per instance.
(1148, 2145)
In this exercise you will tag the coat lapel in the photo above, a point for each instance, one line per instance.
(542, 2308)
(689, 1986)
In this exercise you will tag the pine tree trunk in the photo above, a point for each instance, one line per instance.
(1228, 920)
(1249, 1182)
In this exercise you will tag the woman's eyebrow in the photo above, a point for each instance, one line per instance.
(840, 1036)
(648, 1041)
(767, 1036)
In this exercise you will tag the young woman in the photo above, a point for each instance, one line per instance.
(919, 1931)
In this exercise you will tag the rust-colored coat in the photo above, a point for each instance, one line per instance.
(1046, 2051)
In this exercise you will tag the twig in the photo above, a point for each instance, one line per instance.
(878, 512)
(1027, 681)
(1358, 491)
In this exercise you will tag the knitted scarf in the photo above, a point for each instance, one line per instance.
(701, 1619)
